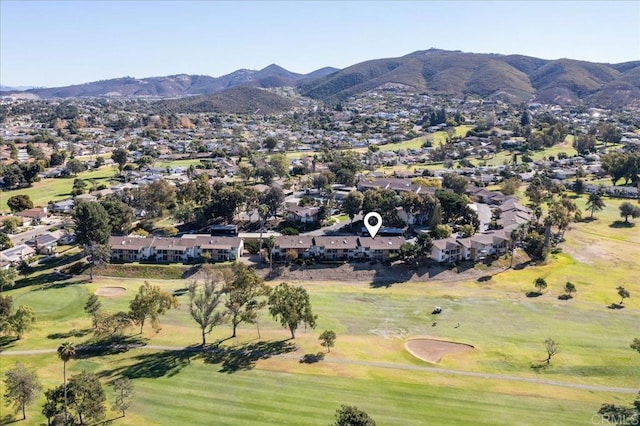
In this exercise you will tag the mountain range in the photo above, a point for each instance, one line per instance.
(511, 78)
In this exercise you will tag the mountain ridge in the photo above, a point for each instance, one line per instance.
(511, 78)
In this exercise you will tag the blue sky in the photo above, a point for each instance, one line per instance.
(52, 43)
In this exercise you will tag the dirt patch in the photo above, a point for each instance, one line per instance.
(433, 350)
(111, 291)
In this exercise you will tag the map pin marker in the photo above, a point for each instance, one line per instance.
(373, 229)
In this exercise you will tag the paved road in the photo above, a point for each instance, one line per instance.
(376, 364)
(34, 232)
(330, 230)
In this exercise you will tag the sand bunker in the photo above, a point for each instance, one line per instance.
(111, 291)
(433, 350)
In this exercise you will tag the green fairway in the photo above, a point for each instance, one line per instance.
(369, 366)
(57, 189)
(54, 303)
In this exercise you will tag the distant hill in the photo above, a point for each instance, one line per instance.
(237, 100)
(512, 78)
(179, 85)
(14, 88)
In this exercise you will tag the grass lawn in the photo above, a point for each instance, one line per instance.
(179, 163)
(56, 189)
(369, 366)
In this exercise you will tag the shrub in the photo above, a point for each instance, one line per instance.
(287, 230)
(252, 247)
(75, 268)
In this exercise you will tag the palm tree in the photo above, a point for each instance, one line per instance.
(66, 351)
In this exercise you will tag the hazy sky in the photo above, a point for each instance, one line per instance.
(53, 43)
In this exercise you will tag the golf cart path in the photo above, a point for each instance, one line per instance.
(376, 364)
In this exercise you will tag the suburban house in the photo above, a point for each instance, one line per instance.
(175, 249)
(474, 248)
(380, 248)
(86, 198)
(337, 248)
(446, 250)
(32, 216)
(302, 214)
(45, 243)
(17, 254)
(64, 206)
(130, 249)
(167, 249)
(302, 244)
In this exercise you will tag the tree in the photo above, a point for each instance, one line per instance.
(454, 182)
(203, 304)
(273, 199)
(623, 293)
(466, 231)
(119, 156)
(151, 302)
(92, 307)
(635, 345)
(66, 352)
(93, 229)
(21, 388)
(407, 253)
(424, 244)
(22, 320)
(111, 324)
(617, 415)
(5, 242)
(510, 186)
(292, 254)
(266, 174)
(7, 278)
(226, 203)
(328, 339)
(245, 173)
(75, 166)
(569, 288)
(609, 133)
(155, 198)
(352, 204)
(11, 224)
(453, 205)
(79, 187)
(120, 215)
(595, 202)
(441, 232)
(24, 268)
(6, 304)
(243, 296)
(552, 348)
(54, 405)
(627, 209)
(352, 416)
(291, 307)
(123, 388)
(584, 144)
(270, 143)
(20, 202)
(540, 283)
(280, 164)
(88, 397)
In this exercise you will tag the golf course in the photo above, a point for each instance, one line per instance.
(262, 377)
